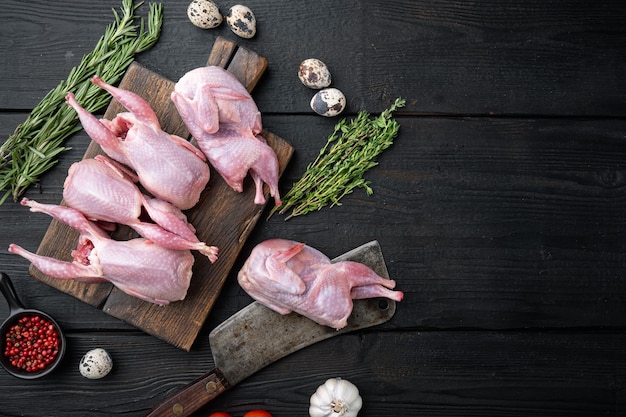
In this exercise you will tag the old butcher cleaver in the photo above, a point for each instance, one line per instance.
(256, 336)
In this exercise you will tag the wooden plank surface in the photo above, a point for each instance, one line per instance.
(500, 207)
(513, 238)
(222, 217)
(448, 373)
(543, 235)
(449, 57)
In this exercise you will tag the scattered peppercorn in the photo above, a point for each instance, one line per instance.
(32, 343)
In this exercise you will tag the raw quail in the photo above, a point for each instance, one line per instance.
(290, 276)
(137, 266)
(226, 123)
(105, 191)
(168, 166)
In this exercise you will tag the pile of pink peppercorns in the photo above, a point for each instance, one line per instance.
(32, 343)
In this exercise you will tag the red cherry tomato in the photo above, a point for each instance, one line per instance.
(220, 414)
(257, 413)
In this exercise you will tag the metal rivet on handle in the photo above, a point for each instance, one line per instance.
(178, 409)
(211, 387)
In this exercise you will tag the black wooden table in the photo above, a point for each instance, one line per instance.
(500, 208)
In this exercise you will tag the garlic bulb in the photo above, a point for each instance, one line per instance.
(336, 398)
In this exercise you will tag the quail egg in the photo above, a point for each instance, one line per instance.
(241, 21)
(95, 364)
(314, 74)
(204, 14)
(328, 102)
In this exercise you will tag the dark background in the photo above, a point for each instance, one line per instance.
(499, 209)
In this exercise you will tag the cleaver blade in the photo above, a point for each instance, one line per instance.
(257, 336)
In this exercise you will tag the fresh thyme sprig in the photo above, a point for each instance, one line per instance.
(350, 151)
(33, 147)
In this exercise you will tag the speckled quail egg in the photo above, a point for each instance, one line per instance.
(241, 21)
(95, 364)
(314, 74)
(204, 13)
(328, 102)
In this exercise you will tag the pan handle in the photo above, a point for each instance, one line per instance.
(6, 286)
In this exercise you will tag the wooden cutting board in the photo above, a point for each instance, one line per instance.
(223, 217)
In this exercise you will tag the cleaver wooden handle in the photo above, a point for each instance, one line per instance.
(192, 397)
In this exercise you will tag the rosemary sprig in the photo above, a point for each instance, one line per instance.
(350, 151)
(33, 147)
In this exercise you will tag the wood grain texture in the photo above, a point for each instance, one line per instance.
(445, 373)
(499, 209)
(451, 57)
(486, 223)
(222, 217)
(496, 224)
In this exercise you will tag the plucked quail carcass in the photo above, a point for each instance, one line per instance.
(290, 276)
(103, 190)
(226, 123)
(138, 267)
(168, 166)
